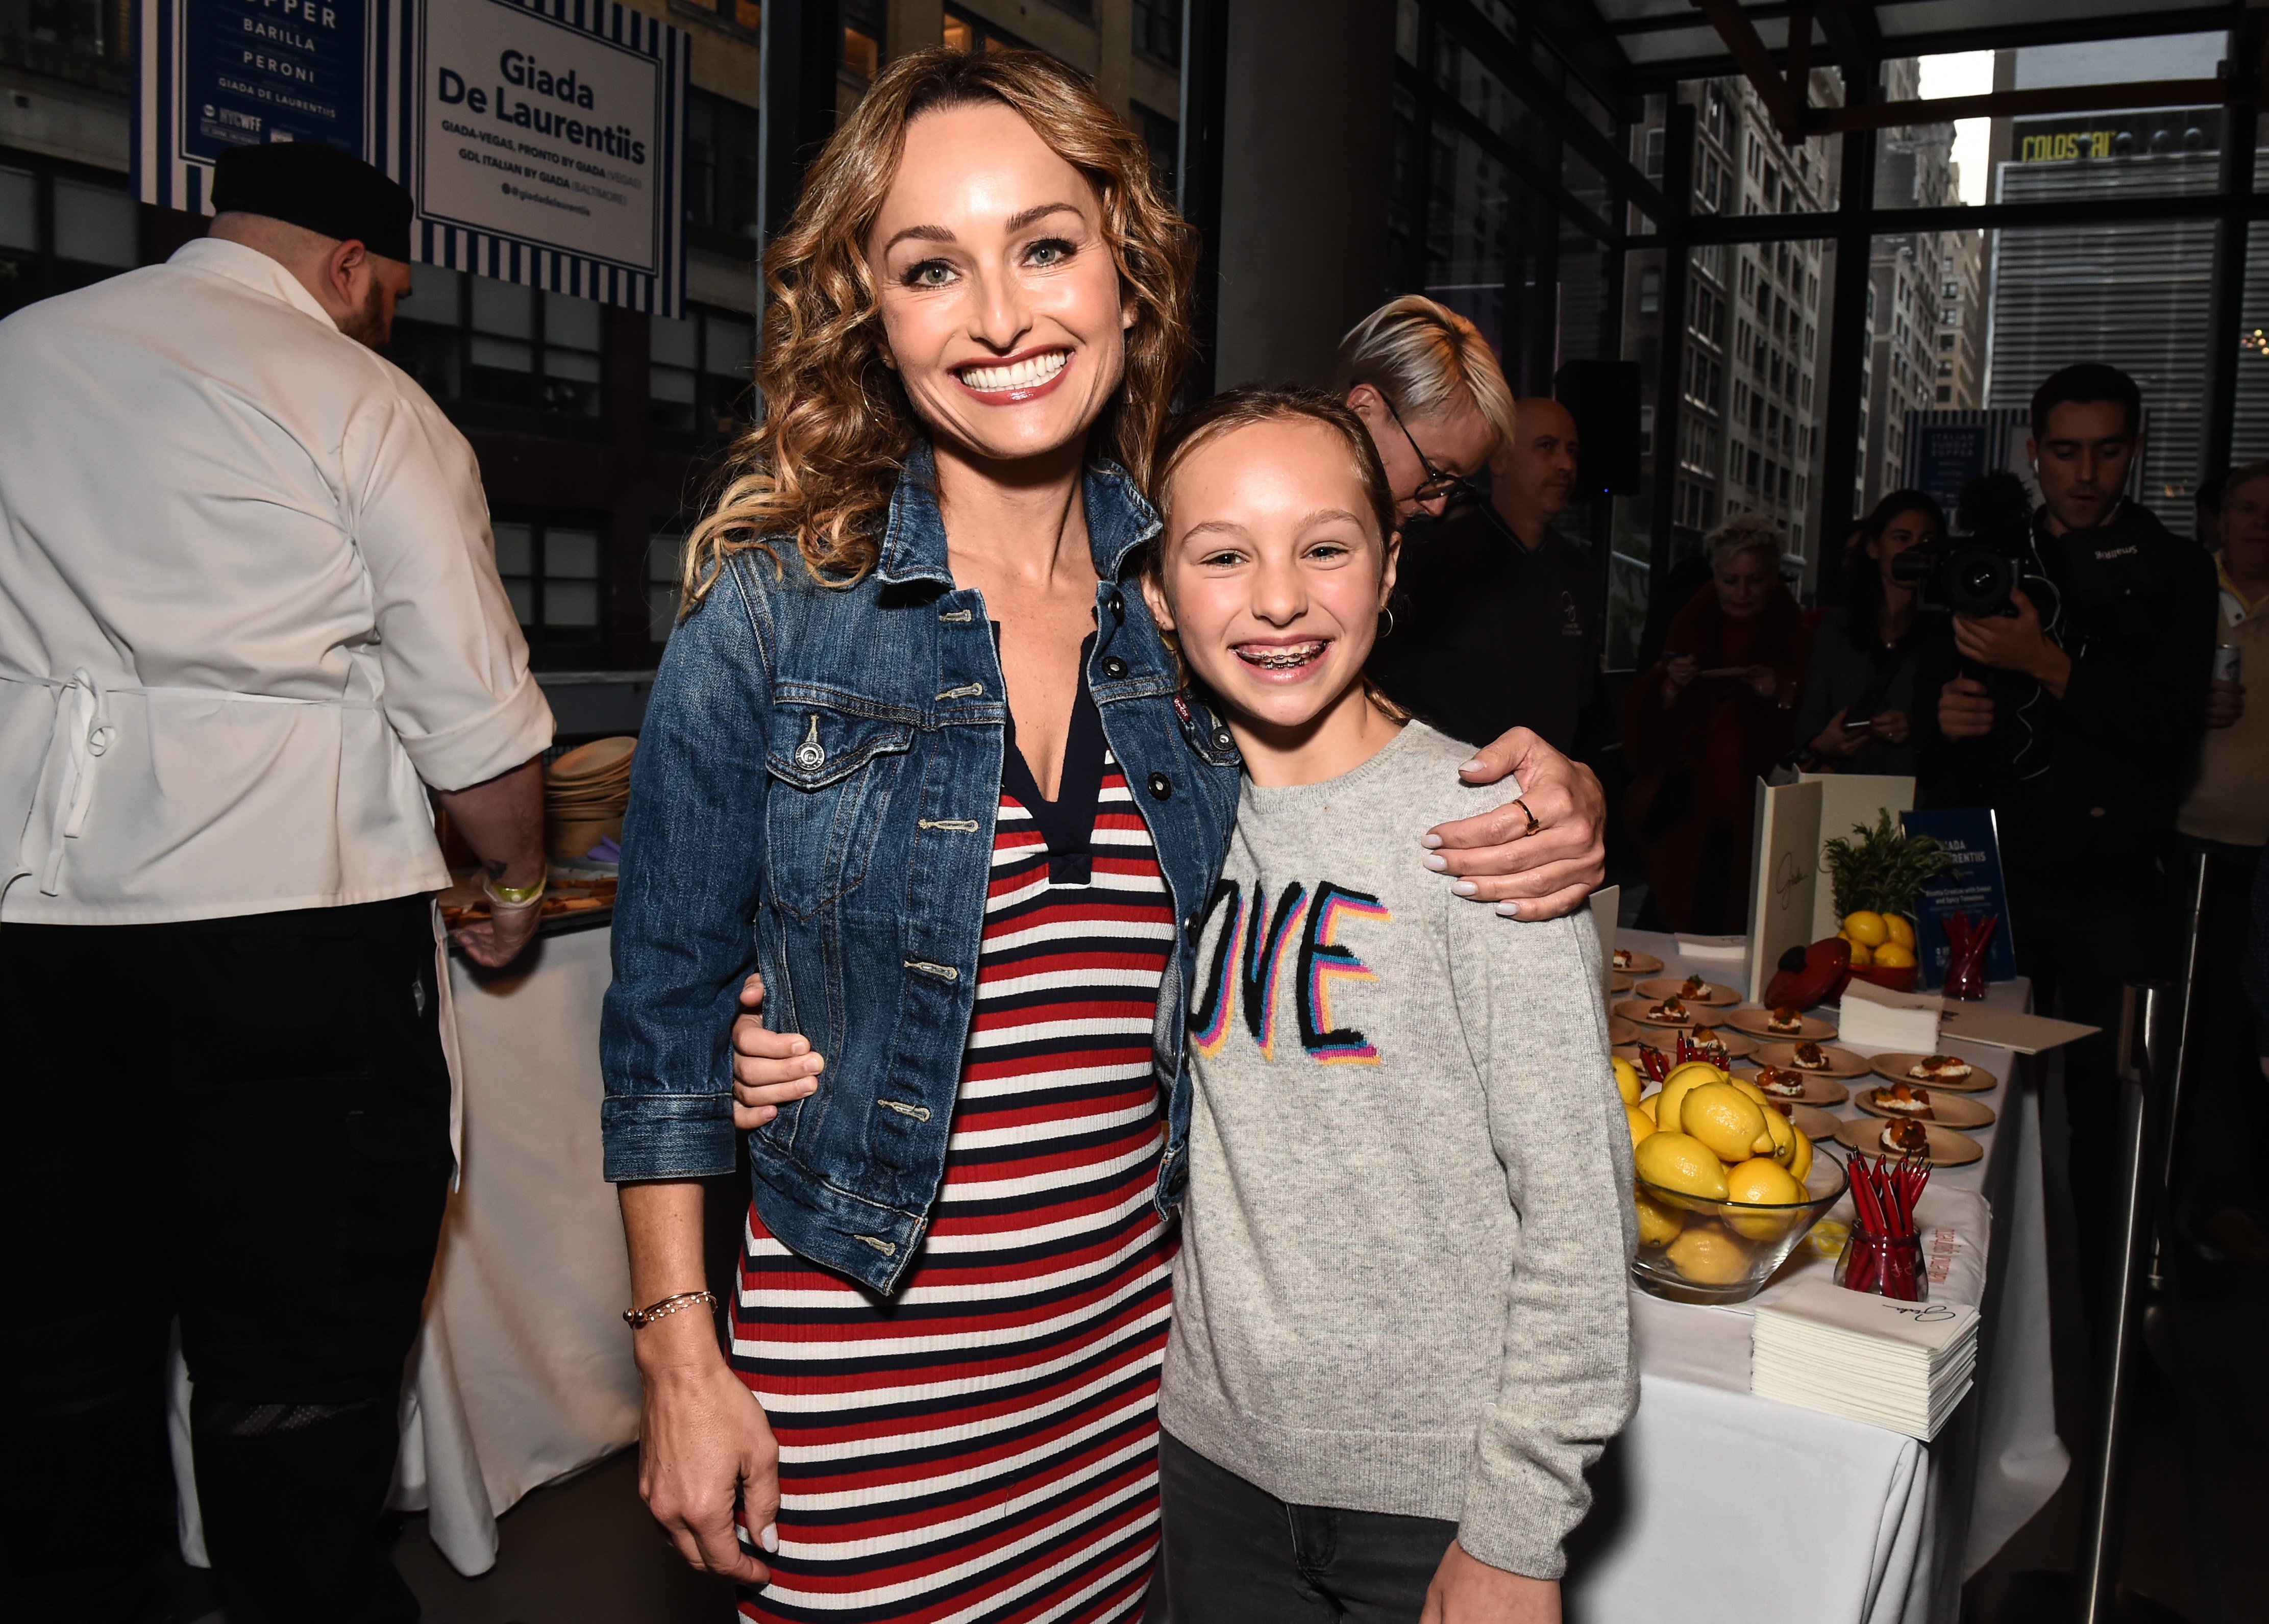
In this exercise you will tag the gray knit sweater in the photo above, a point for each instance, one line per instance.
(1401, 1280)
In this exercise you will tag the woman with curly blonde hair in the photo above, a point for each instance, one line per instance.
(918, 756)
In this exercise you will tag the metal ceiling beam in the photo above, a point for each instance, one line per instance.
(1784, 101)
(2061, 214)
(1853, 38)
(2025, 104)
(1670, 22)
(1842, 24)
(2059, 31)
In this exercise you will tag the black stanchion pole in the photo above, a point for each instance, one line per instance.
(2150, 1029)
(2197, 876)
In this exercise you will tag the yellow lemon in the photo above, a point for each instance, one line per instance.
(1675, 1162)
(1725, 1119)
(1626, 1081)
(1706, 1255)
(1867, 927)
(1641, 1125)
(1658, 1225)
(1891, 955)
(1646, 1107)
(1800, 1158)
(1902, 930)
(1765, 1142)
(1762, 1182)
(1862, 956)
(1683, 1078)
(1784, 1137)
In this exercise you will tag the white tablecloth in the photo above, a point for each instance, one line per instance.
(523, 1371)
(1716, 1504)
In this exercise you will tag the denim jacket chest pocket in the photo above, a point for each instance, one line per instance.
(834, 769)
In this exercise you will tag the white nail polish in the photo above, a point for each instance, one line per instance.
(1429, 841)
(1467, 888)
(1510, 910)
(1475, 765)
(770, 1539)
(1436, 861)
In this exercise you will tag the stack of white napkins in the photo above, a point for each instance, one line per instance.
(1873, 1018)
(1902, 1366)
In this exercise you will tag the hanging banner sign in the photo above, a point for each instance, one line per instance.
(542, 139)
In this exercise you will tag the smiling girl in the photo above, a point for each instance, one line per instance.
(1399, 1325)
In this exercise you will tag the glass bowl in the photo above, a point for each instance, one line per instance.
(1722, 1252)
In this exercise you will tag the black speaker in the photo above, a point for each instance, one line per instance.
(1603, 398)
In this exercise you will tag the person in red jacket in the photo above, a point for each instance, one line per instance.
(1706, 720)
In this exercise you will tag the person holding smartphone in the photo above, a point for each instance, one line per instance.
(1857, 714)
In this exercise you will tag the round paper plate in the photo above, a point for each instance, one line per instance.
(1895, 1067)
(1841, 1062)
(1637, 962)
(1812, 1122)
(1953, 1111)
(1620, 1031)
(1618, 982)
(1947, 1149)
(1751, 1018)
(1637, 1008)
(1664, 987)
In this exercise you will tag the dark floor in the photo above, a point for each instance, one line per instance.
(585, 1550)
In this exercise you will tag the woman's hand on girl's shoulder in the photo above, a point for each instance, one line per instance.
(770, 1069)
(1534, 864)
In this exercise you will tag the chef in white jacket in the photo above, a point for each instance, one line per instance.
(249, 614)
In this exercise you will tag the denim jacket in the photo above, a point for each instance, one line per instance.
(813, 798)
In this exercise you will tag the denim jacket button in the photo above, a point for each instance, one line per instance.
(1114, 667)
(1221, 738)
(1160, 786)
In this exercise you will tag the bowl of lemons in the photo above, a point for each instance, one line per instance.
(1725, 1187)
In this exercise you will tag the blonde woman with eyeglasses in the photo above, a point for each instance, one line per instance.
(1425, 382)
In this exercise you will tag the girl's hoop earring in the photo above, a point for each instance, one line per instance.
(1389, 632)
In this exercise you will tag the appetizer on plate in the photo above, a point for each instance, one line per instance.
(1810, 1057)
(1940, 1068)
(1785, 1020)
(1672, 1008)
(1902, 1099)
(1780, 1083)
(1907, 1138)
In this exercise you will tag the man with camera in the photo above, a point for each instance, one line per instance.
(2076, 716)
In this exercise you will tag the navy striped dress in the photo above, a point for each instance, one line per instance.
(983, 1446)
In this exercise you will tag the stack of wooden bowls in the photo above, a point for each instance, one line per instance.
(585, 792)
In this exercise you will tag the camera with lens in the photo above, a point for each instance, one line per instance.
(1974, 571)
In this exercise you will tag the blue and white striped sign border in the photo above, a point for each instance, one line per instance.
(164, 175)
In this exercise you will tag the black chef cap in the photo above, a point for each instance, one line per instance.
(319, 188)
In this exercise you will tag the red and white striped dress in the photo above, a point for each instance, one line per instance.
(984, 1444)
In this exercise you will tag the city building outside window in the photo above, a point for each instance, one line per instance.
(697, 372)
(964, 33)
(489, 343)
(1157, 25)
(552, 573)
(721, 172)
(60, 228)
